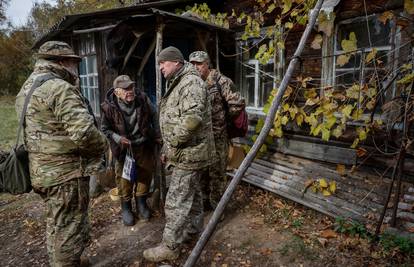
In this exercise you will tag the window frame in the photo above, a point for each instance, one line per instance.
(87, 52)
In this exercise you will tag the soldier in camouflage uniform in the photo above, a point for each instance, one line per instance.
(64, 147)
(185, 121)
(225, 104)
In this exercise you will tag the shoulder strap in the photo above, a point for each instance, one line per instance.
(36, 83)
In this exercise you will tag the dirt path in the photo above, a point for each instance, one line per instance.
(259, 230)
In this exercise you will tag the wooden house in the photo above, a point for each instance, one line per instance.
(124, 40)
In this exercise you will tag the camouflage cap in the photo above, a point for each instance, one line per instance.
(123, 81)
(56, 49)
(199, 56)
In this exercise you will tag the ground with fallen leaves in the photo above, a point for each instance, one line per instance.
(260, 229)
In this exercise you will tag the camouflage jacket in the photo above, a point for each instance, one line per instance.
(60, 135)
(222, 92)
(185, 121)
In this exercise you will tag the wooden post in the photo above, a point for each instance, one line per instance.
(217, 52)
(158, 48)
(160, 173)
(211, 226)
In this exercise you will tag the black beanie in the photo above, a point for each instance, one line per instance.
(170, 53)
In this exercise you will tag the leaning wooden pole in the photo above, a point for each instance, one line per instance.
(160, 182)
(208, 231)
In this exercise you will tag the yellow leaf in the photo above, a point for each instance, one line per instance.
(316, 130)
(342, 60)
(317, 41)
(285, 120)
(354, 91)
(326, 193)
(371, 55)
(332, 186)
(323, 183)
(288, 25)
(331, 120)
(288, 92)
(270, 8)
(299, 119)
(314, 188)
(356, 115)
(346, 111)
(337, 132)
(278, 132)
(293, 111)
(311, 93)
(326, 133)
(340, 168)
(409, 6)
(286, 107)
(355, 143)
(371, 92)
(362, 135)
(349, 45)
(387, 15)
(311, 102)
(287, 6)
(326, 22)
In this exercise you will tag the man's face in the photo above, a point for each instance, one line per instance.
(202, 68)
(168, 68)
(129, 94)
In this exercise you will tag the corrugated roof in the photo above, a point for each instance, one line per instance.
(117, 14)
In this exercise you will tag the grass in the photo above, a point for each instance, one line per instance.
(8, 122)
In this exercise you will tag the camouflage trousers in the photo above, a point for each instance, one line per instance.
(67, 222)
(183, 207)
(214, 181)
(127, 189)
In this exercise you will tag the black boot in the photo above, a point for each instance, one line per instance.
(127, 216)
(142, 208)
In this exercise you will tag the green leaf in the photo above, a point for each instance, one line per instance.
(362, 135)
(346, 111)
(285, 120)
(288, 25)
(278, 131)
(338, 131)
(299, 119)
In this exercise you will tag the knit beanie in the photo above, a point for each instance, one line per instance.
(170, 53)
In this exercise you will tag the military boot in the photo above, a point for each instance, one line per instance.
(142, 208)
(127, 216)
(161, 253)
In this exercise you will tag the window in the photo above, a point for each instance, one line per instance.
(356, 70)
(255, 80)
(88, 72)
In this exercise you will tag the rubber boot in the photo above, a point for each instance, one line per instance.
(127, 216)
(142, 208)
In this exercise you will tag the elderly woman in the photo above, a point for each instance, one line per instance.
(129, 121)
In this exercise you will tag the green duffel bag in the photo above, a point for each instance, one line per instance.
(14, 169)
(14, 172)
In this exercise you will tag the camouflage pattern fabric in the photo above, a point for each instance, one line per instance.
(183, 207)
(67, 223)
(185, 121)
(214, 181)
(60, 135)
(126, 188)
(234, 102)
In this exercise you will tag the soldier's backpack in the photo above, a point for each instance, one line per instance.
(237, 126)
(14, 167)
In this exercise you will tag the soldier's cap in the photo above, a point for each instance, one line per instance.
(171, 53)
(56, 50)
(199, 56)
(123, 81)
